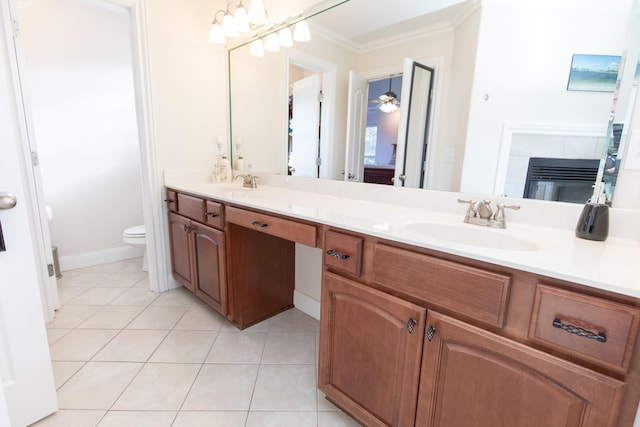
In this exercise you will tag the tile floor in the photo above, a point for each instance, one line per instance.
(125, 356)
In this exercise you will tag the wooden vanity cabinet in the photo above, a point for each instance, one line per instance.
(482, 362)
(198, 254)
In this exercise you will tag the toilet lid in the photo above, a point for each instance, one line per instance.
(137, 231)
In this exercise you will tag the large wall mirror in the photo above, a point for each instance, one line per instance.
(490, 97)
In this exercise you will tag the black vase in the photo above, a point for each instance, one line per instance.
(593, 223)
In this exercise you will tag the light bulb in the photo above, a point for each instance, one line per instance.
(271, 43)
(229, 26)
(256, 48)
(284, 37)
(241, 18)
(257, 14)
(216, 34)
(301, 32)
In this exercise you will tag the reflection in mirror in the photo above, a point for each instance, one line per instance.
(500, 88)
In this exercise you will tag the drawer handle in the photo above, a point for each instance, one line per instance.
(600, 336)
(169, 201)
(337, 254)
(259, 224)
(212, 214)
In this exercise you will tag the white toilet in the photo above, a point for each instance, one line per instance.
(136, 236)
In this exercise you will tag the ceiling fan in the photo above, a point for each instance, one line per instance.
(388, 101)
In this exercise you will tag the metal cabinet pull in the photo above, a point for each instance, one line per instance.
(581, 332)
(431, 331)
(212, 214)
(411, 323)
(259, 224)
(337, 254)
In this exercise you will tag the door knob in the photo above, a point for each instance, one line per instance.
(7, 200)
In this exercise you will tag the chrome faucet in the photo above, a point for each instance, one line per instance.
(250, 181)
(480, 213)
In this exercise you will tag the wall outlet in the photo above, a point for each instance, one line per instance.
(632, 157)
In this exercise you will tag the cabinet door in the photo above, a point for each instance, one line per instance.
(473, 377)
(209, 261)
(181, 267)
(370, 352)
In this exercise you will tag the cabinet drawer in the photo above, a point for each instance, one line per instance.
(279, 227)
(590, 328)
(343, 252)
(192, 207)
(172, 201)
(479, 294)
(214, 214)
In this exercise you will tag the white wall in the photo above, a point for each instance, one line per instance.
(80, 83)
(501, 83)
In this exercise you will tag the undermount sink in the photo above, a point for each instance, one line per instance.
(472, 235)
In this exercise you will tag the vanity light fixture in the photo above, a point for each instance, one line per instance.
(284, 37)
(301, 31)
(241, 20)
(256, 48)
(271, 43)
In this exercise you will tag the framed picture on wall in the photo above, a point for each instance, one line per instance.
(595, 73)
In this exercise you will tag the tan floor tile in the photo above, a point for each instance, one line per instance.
(222, 388)
(112, 317)
(180, 297)
(70, 316)
(70, 418)
(143, 283)
(82, 278)
(201, 318)
(157, 317)
(158, 386)
(137, 419)
(68, 293)
(282, 419)
(81, 344)
(97, 296)
(210, 419)
(238, 347)
(121, 280)
(62, 371)
(135, 296)
(293, 320)
(54, 335)
(184, 347)
(96, 385)
(290, 348)
(336, 419)
(285, 388)
(134, 345)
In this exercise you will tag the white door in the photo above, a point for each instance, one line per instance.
(305, 137)
(356, 127)
(28, 390)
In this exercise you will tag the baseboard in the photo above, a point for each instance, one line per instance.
(89, 259)
(306, 304)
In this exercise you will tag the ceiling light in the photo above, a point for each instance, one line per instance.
(256, 48)
(271, 43)
(257, 14)
(388, 107)
(301, 32)
(284, 37)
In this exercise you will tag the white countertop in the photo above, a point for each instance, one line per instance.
(549, 251)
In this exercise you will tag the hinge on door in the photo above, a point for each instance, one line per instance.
(320, 96)
(51, 270)
(34, 158)
(319, 161)
(15, 28)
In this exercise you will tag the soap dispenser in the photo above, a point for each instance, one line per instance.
(224, 168)
(593, 223)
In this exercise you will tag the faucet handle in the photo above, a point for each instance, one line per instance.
(499, 215)
(471, 202)
(250, 181)
(483, 209)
